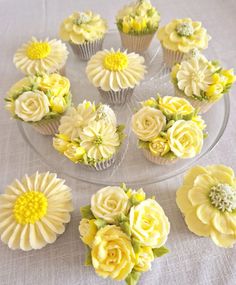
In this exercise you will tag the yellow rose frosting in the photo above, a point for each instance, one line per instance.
(34, 211)
(115, 70)
(144, 259)
(37, 56)
(175, 106)
(183, 35)
(207, 199)
(81, 27)
(88, 230)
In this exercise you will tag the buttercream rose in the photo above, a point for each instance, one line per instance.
(149, 224)
(61, 142)
(159, 146)
(144, 259)
(87, 230)
(175, 106)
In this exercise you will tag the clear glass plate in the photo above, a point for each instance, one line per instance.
(130, 165)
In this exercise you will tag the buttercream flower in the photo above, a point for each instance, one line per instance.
(104, 112)
(144, 258)
(37, 56)
(58, 104)
(61, 142)
(175, 106)
(185, 139)
(149, 224)
(34, 211)
(112, 253)
(159, 146)
(74, 152)
(207, 199)
(109, 202)
(147, 123)
(87, 230)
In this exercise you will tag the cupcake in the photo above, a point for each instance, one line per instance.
(34, 211)
(85, 33)
(115, 74)
(37, 57)
(168, 129)
(201, 82)
(40, 101)
(207, 199)
(123, 232)
(89, 135)
(137, 24)
(180, 37)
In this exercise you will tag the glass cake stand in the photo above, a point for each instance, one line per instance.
(130, 165)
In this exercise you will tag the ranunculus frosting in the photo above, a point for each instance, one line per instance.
(175, 106)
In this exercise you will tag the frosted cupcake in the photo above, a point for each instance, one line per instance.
(85, 33)
(38, 56)
(115, 74)
(168, 129)
(179, 37)
(34, 211)
(40, 101)
(201, 82)
(89, 135)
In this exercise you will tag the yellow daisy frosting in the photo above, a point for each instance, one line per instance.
(34, 211)
(207, 199)
(38, 56)
(115, 70)
(81, 27)
(183, 35)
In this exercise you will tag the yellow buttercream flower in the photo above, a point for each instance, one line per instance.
(175, 106)
(58, 104)
(215, 91)
(150, 102)
(74, 152)
(199, 121)
(61, 142)
(174, 70)
(207, 199)
(144, 259)
(87, 230)
(159, 146)
(229, 74)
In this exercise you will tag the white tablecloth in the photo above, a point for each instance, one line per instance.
(193, 260)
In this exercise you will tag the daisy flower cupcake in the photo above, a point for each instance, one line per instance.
(179, 37)
(34, 211)
(115, 74)
(85, 33)
(41, 56)
(137, 24)
(89, 135)
(40, 101)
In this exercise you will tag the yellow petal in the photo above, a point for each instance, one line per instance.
(222, 224)
(206, 213)
(195, 225)
(204, 181)
(198, 196)
(222, 173)
(222, 240)
(182, 199)
(193, 173)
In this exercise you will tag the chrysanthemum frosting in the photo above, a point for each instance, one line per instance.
(34, 211)
(41, 56)
(81, 27)
(115, 70)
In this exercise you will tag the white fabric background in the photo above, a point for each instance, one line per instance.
(192, 260)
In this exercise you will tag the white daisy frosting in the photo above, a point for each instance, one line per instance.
(37, 56)
(34, 211)
(115, 70)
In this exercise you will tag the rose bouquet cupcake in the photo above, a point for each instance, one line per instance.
(115, 74)
(89, 135)
(137, 24)
(85, 33)
(207, 200)
(38, 56)
(40, 101)
(124, 232)
(34, 211)
(201, 82)
(168, 129)
(179, 37)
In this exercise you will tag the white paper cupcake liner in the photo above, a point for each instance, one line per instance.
(171, 57)
(47, 127)
(116, 97)
(158, 159)
(102, 165)
(88, 49)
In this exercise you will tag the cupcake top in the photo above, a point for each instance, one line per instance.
(115, 70)
(82, 27)
(138, 18)
(34, 211)
(183, 35)
(201, 79)
(89, 134)
(207, 199)
(37, 98)
(38, 56)
(169, 127)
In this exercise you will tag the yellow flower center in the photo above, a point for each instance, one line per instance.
(115, 61)
(37, 50)
(30, 207)
(198, 76)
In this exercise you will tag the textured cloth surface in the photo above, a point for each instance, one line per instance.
(193, 260)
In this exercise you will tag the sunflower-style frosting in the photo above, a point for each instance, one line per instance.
(115, 70)
(207, 200)
(34, 211)
(41, 56)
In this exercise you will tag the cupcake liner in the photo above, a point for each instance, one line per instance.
(88, 49)
(47, 127)
(116, 97)
(102, 165)
(136, 43)
(158, 159)
(171, 57)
